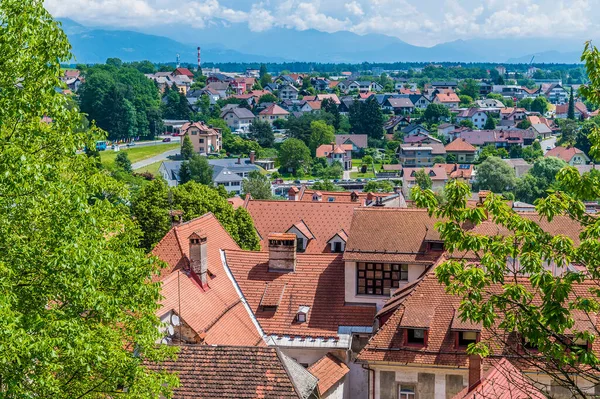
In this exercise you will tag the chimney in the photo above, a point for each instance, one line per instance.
(199, 257)
(282, 252)
(176, 217)
(483, 195)
(252, 157)
(293, 193)
(474, 371)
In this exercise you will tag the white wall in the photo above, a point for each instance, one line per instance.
(410, 375)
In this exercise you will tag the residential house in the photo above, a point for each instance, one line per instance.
(288, 92)
(395, 199)
(310, 106)
(511, 116)
(345, 104)
(477, 116)
(437, 174)
(320, 84)
(400, 106)
(321, 97)
(336, 153)
(419, 100)
(542, 130)
(555, 93)
(444, 129)
(519, 165)
(485, 88)
(462, 172)
(218, 77)
(581, 111)
(272, 113)
(449, 100)
(205, 138)
(421, 138)
(462, 150)
(220, 88)
(238, 118)
(183, 72)
(512, 91)
(498, 138)
(396, 122)
(489, 103)
(242, 85)
(409, 90)
(419, 155)
(357, 141)
(271, 87)
(414, 129)
(571, 155)
(249, 371)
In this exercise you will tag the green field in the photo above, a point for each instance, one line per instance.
(136, 154)
(152, 168)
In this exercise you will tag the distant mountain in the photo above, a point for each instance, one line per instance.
(223, 42)
(91, 45)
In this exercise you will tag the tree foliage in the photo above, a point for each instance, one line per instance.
(367, 118)
(196, 169)
(423, 179)
(294, 155)
(495, 175)
(76, 297)
(321, 133)
(187, 148)
(262, 132)
(122, 162)
(434, 113)
(257, 185)
(150, 207)
(379, 186)
(197, 199)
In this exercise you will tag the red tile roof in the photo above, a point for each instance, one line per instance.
(236, 202)
(317, 282)
(325, 149)
(502, 381)
(274, 109)
(324, 219)
(375, 235)
(564, 153)
(183, 71)
(217, 311)
(207, 372)
(342, 196)
(436, 173)
(204, 128)
(460, 145)
(456, 171)
(329, 370)
(449, 97)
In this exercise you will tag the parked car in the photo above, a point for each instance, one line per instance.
(166, 140)
(130, 144)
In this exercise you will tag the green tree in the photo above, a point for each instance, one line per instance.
(150, 207)
(326, 185)
(196, 200)
(300, 128)
(423, 179)
(122, 162)
(294, 155)
(76, 298)
(367, 118)
(571, 111)
(525, 103)
(196, 169)
(265, 80)
(524, 124)
(495, 175)
(257, 185)
(436, 112)
(262, 132)
(467, 123)
(321, 133)
(470, 87)
(263, 70)
(379, 186)
(267, 98)
(465, 101)
(540, 104)
(187, 148)
(568, 129)
(329, 106)
(490, 123)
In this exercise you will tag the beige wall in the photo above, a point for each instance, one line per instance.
(202, 142)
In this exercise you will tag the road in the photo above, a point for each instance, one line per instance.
(157, 158)
(549, 142)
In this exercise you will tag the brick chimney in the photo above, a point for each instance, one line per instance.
(239, 161)
(282, 252)
(474, 371)
(252, 157)
(293, 193)
(199, 257)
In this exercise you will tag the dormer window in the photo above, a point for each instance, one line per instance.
(465, 338)
(302, 314)
(415, 337)
(436, 246)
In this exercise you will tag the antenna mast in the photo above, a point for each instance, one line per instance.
(199, 62)
(178, 60)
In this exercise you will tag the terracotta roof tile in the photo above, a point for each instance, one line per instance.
(230, 372)
(323, 219)
(374, 235)
(329, 370)
(460, 145)
(564, 153)
(274, 109)
(205, 311)
(317, 282)
(449, 97)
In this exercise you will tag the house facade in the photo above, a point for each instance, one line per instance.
(477, 116)
(238, 118)
(205, 138)
(419, 154)
(336, 153)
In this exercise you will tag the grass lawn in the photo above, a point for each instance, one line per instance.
(358, 175)
(136, 153)
(152, 168)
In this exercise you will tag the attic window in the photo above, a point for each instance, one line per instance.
(269, 308)
(302, 314)
(416, 336)
(331, 199)
(464, 338)
(436, 246)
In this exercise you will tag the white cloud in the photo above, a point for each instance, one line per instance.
(416, 21)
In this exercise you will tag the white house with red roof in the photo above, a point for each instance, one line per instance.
(571, 155)
(272, 113)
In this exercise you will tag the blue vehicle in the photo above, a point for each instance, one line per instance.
(100, 145)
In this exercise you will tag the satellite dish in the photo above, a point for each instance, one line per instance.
(171, 330)
(175, 320)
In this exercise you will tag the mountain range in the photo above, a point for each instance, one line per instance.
(236, 43)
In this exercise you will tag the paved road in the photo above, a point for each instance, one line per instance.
(346, 175)
(161, 157)
(549, 142)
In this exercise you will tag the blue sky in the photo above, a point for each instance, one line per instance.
(421, 22)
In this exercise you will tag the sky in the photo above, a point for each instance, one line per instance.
(419, 22)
